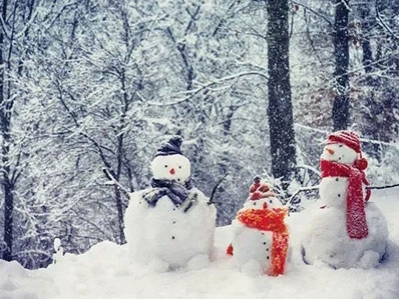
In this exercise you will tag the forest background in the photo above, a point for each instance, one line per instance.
(87, 85)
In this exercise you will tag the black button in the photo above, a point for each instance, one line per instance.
(173, 237)
(174, 222)
(339, 195)
(267, 257)
(267, 249)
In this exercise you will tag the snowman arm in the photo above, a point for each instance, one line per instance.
(211, 199)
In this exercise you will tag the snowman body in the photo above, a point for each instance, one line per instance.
(165, 235)
(252, 247)
(326, 239)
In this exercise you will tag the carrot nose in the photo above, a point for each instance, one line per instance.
(172, 171)
(329, 150)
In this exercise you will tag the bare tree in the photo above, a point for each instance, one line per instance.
(281, 126)
(340, 111)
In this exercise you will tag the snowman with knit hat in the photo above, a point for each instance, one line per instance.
(170, 225)
(348, 231)
(260, 235)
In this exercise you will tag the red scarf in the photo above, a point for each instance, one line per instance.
(356, 224)
(268, 220)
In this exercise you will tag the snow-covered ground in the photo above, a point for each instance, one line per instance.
(104, 272)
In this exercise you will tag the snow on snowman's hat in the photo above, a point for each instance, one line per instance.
(172, 147)
(351, 140)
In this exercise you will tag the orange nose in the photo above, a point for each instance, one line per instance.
(172, 171)
(329, 150)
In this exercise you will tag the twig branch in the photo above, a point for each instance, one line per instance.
(303, 189)
(211, 199)
(114, 182)
(384, 25)
(329, 22)
(208, 85)
(382, 187)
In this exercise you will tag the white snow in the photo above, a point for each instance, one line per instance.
(164, 236)
(104, 272)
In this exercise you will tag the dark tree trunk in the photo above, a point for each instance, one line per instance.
(5, 149)
(119, 204)
(8, 205)
(340, 111)
(282, 135)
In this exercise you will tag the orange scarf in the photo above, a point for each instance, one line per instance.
(269, 220)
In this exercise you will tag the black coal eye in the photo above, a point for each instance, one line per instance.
(180, 167)
(340, 145)
(166, 166)
(271, 201)
(254, 203)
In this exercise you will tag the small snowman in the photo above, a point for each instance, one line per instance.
(170, 225)
(348, 231)
(260, 235)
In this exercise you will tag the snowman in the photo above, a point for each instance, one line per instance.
(260, 236)
(348, 231)
(170, 225)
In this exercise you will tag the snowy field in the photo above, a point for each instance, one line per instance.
(104, 272)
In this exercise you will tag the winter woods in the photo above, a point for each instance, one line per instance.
(86, 85)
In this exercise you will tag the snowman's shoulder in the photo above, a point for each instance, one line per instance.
(200, 195)
(138, 195)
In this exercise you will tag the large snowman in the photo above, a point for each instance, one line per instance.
(260, 235)
(170, 225)
(347, 231)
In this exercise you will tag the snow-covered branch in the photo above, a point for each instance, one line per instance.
(208, 85)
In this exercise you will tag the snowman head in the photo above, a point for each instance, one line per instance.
(263, 203)
(170, 164)
(344, 147)
(339, 152)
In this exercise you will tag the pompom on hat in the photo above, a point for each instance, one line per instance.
(351, 140)
(172, 147)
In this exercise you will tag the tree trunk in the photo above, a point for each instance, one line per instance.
(5, 148)
(340, 111)
(282, 135)
(8, 208)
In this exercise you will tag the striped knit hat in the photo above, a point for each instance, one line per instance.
(352, 140)
(349, 138)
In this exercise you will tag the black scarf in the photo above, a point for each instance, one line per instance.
(179, 194)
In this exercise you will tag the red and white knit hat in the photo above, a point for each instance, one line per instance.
(349, 138)
(352, 140)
